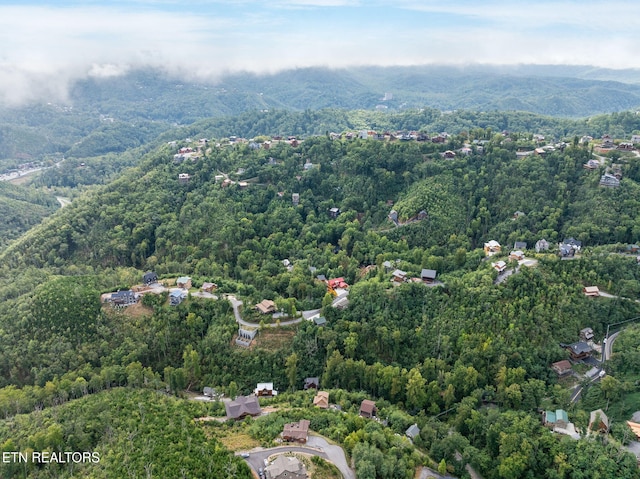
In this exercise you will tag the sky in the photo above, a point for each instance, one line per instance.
(45, 46)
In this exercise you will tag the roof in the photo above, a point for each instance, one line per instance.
(572, 242)
(492, 244)
(321, 399)
(635, 428)
(296, 430)
(283, 464)
(399, 273)
(367, 406)
(320, 320)
(591, 290)
(311, 382)
(580, 347)
(176, 293)
(603, 418)
(520, 245)
(428, 273)
(562, 366)
(243, 406)
(266, 305)
(413, 431)
(338, 283)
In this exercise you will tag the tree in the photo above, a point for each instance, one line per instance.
(291, 368)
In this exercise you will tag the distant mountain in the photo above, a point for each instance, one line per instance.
(132, 109)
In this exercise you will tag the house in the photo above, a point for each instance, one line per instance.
(449, 155)
(295, 198)
(559, 417)
(492, 247)
(123, 298)
(242, 184)
(579, 350)
(428, 275)
(518, 214)
(541, 245)
(598, 421)
(413, 431)
(635, 428)
(607, 142)
(243, 406)
(265, 390)
(340, 302)
(337, 283)
(311, 383)
(285, 467)
(208, 287)
(296, 431)
(266, 306)
(176, 297)
(245, 336)
(625, 145)
(632, 248)
(609, 181)
(562, 368)
(183, 282)
(388, 266)
(591, 165)
(591, 291)
(334, 212)
(149, 277)
(586, 334)
(635, 138)
(398, 276)
(321, 320)
(516, 255)
(209, 392)
(521, 245)
(321, 400)
(393, 216)
(184, 178)
(569, 247)
(368, 408)
(500, 266)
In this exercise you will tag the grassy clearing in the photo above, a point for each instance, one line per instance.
(275, 338)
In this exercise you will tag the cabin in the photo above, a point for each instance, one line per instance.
(598, 421)
(610, 181)
(516, 255)
(334, 212)
(398, 276)
(243, 406)
(368, 409)
(412, 432)
(208, 287)
(592, 291)
(492, 247)
(428, 276)
(176, 297)
(265, 390)
(562, 368)
(149, 277)
(296, 431)
(579, 350)
(183, 282)
(311, 383)
(266, 306)
(586, 334)
(541, 245)
(321, 400)
(285, 467)
(123, 298)
(499, 266)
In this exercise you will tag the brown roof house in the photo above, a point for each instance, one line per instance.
(296, 431)
(266, 306)
(591, 291)
(368, 408)
(243, 406)
(562, 368)
(321, 400)
(492, 247)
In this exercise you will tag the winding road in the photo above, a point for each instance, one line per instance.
(236, 303)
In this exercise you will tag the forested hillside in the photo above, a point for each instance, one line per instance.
(468, 358)
(102, 115)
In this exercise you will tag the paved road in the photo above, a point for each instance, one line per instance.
(63, 201)
(236, 303)
(316, 446)
(608, 347)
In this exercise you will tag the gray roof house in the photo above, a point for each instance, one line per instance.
(413, 431)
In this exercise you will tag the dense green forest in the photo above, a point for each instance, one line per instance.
(468, 360)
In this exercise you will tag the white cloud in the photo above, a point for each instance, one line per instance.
(43, 48)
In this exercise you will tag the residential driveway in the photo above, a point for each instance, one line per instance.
(427, 473)
(335, 453)
(316, 446)
(236, 303)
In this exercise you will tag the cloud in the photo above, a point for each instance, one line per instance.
(44, 48)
